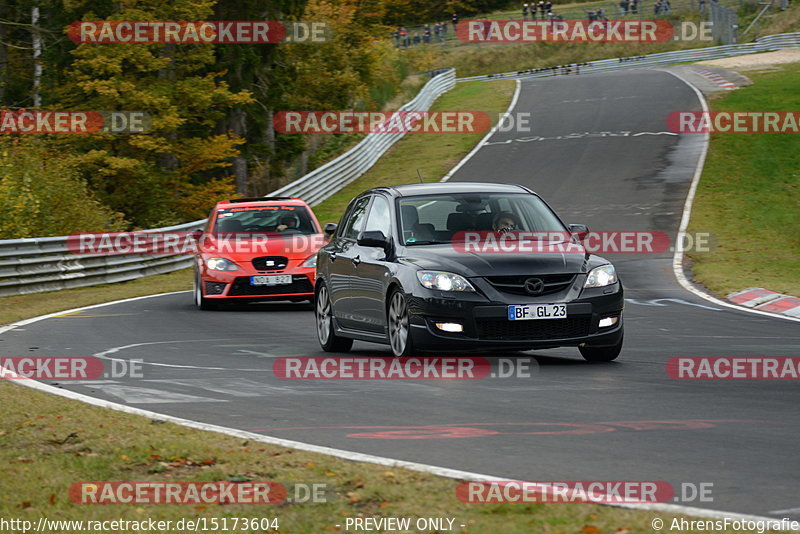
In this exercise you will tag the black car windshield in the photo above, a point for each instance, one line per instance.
(442, 218)
(285, 220)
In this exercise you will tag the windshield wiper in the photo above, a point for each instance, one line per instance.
(426, 242)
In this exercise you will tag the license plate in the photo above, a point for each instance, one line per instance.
(271, 280)
(526, 312)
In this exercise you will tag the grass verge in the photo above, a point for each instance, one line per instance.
(19, 307)
(749, 195)
(47, 443)
(432, 154)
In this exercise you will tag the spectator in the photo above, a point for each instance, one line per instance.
(455, 22)
(601, 14)
(623, 6)
(524, 11)
(443, 32)
(702, 4)
(404, 37)
(634, 6)
(436, 30)
(416, 38)
(426, 34)
(548, 6)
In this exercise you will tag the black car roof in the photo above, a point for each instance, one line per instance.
(451, 187)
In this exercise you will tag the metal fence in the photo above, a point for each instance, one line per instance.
(724, 23)
(45, 263)
(763, 44)
(610, 9)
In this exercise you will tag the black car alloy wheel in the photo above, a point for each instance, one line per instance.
(399, 326)
(328, 339)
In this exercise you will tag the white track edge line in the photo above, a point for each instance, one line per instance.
(677, 259)
(445, 472)
(12, 326)
(511, 105)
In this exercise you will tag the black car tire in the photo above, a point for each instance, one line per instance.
(200, 301)
(323, 317)
(398, 324)
(601, 354)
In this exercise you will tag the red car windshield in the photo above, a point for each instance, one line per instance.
(285, 220)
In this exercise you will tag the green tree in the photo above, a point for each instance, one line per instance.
(146, 175)
(43, 194)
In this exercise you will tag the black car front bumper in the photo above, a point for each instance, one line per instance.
(486, 324)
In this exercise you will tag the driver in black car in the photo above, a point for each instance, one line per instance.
(505, 222)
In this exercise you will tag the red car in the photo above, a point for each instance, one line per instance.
(257, 249)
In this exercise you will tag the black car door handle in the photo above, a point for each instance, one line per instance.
(332, 256)
(356, 260)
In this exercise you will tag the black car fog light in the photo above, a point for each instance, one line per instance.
(605, 322)
(450, 327)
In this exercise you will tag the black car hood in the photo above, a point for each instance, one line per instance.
(445, 258)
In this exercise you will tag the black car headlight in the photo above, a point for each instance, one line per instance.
(602, 276)
(443, 281)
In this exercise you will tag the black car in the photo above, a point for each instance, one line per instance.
(397, 271)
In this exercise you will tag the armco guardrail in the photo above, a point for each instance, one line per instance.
(763, 44)
(45, 264)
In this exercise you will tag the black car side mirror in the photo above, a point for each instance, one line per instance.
(579, 230)
(330, 229)
(197, 234)
(373, 238)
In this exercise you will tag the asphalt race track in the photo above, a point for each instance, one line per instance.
(600, 154)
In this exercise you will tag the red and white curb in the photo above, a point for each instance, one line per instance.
(765, 300)
(716, 79)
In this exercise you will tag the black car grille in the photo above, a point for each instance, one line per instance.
(241, 287)
(278, 263)
(540, 329)
(553, 283)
